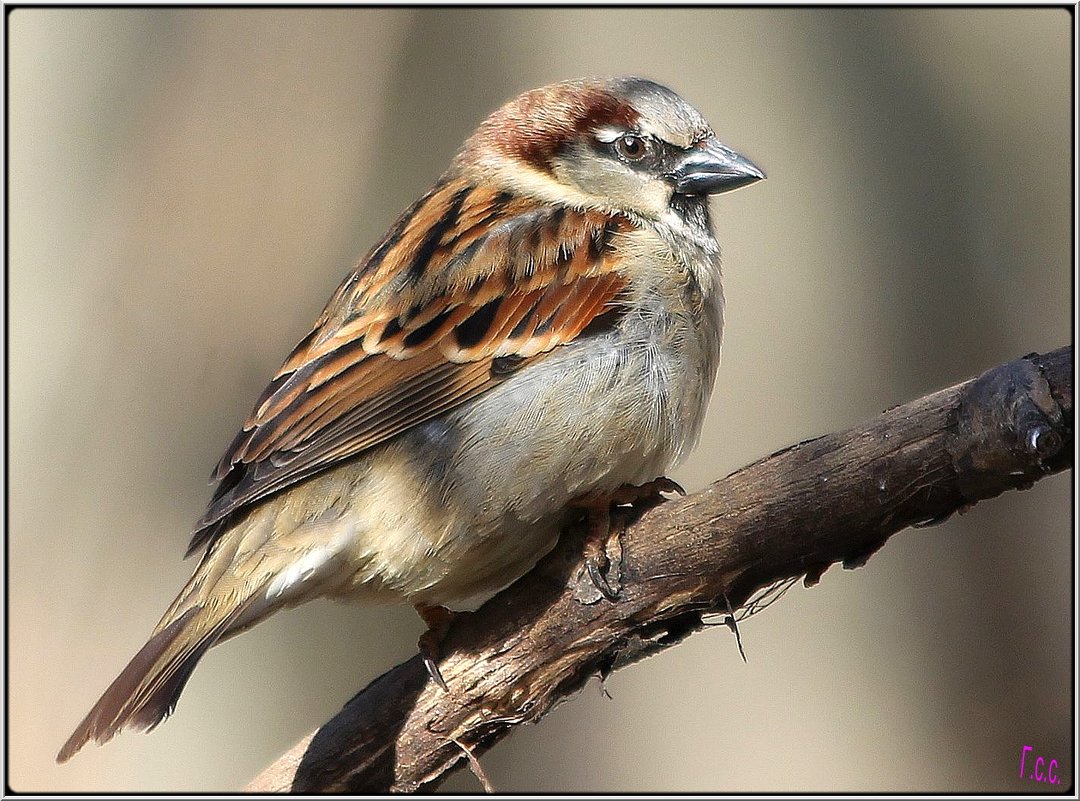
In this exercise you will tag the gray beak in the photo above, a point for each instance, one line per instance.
(710, 168)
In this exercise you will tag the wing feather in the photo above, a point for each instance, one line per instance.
(466, 276)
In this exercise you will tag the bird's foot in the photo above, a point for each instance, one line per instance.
(603, 544)
(646, 496)
(604, 569)
(438, 620)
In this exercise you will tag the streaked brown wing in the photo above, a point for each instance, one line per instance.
(467, 281)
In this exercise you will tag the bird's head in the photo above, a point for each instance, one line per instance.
(617, 144)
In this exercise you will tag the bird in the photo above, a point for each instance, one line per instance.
(540, 331)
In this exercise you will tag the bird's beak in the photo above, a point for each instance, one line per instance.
(710, 168)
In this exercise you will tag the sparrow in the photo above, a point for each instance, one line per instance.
(543, 325)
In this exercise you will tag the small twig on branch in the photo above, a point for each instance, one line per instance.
(833, 499)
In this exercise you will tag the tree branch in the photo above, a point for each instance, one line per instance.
(836, 498)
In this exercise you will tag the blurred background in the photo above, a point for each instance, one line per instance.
(188, 186)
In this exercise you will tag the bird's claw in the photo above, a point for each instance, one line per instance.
(438, 620)
(599, 580)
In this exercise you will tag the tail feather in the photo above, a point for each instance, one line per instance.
(228, 593)
(146, 690)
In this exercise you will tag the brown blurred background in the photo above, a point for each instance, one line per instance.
(188, 186)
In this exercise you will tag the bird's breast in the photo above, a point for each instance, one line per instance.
(620, 405)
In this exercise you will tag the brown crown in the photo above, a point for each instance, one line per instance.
(536, 125)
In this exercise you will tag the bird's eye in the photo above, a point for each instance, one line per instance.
(631, 147)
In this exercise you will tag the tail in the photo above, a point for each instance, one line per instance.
(242, 578)
(146, 691)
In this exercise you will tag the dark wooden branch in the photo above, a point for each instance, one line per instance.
(833, 499)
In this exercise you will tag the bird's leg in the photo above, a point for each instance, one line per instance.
(602, 534)
(438, 620)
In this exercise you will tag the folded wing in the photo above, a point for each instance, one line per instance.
(467, 285)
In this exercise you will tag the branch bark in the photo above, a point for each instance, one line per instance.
(836, 498)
